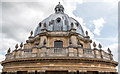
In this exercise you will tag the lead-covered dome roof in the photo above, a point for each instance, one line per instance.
(59, 21)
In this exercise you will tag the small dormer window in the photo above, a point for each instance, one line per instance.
(40, 24)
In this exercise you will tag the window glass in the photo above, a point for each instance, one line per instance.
(58, 44)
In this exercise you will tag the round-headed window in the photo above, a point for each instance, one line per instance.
(58, 20)
(58, 44)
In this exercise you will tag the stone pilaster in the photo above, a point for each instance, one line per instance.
(43, 37)
(80, 52)
(97, 53)
(73, 37)
(42, 41)
(87, 42)
(102, 54)
(111, 56)
(71, 51)
(14, 53)
(74, 41)
(95, 50)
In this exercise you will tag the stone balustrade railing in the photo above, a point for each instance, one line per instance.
(58, 52)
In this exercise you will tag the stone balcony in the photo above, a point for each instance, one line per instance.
(58, 52)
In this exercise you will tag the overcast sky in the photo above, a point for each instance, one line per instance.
(98, 17)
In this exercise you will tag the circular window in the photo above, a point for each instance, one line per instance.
(58, 20)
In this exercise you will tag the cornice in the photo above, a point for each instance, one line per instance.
(62, 58)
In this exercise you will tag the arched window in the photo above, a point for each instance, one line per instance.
(58, 20)
(58, 46)
(40, 24)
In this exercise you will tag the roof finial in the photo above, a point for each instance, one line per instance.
(109, 50)
(59, 8)
(16, 46)
(21, 45)
(31, 33)
(59, 2)
(86, 33)
(94, 44)
(8, 51)
(100, 46)
(72, 25)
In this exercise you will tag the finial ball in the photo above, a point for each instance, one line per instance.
(109, 50)
(31, 33)
(100, 46)
(16, 46)
(94, 44)
(86, 33)
(21, 45)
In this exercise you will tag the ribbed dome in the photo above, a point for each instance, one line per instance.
(59, 21)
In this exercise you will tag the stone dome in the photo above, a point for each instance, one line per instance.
(59, 21)
(58, 49)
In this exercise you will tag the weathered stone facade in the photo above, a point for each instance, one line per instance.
(58, 52)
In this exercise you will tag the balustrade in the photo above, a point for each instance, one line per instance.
(57, 52)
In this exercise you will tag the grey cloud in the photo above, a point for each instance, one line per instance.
(20, 0)
(19, 18)
(15, 22)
